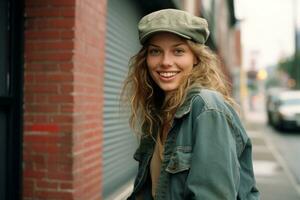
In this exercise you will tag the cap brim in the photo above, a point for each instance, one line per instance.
(146, 36)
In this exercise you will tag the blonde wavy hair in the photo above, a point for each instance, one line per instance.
(150, 107)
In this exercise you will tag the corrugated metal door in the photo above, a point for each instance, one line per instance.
(119, 142)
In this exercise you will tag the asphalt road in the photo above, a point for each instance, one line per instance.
(288, 145)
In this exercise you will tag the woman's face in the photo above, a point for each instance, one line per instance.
(169, 60)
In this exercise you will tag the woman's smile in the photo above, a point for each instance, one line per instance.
(168, 74)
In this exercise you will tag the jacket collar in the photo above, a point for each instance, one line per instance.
(185, 108)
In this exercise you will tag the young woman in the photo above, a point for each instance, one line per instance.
(192, 143)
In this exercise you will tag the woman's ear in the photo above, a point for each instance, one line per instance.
(196, 61)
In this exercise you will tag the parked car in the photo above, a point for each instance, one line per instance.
(286, 111)
(271, 98)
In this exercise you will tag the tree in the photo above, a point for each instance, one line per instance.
(289, 64)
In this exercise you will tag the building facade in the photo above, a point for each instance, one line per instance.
(225, 39)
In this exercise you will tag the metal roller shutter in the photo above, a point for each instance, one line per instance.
(119, 142)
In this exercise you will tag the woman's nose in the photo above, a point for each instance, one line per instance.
(166, 60)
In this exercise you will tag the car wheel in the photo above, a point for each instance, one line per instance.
(277, 122)
(270, 121)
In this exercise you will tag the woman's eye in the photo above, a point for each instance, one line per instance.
(154, 52)
(178, 51)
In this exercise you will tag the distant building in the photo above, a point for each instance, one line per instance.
(225, 39)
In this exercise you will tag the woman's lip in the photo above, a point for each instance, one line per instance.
(167, 73)
(167, 76)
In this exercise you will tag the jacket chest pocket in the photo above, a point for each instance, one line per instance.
(180, 160)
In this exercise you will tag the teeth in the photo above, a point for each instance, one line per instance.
(167, 74)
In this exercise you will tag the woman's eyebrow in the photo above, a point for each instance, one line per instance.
(154, 45)
(179, 44)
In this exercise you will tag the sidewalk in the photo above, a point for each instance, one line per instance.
(274, 181)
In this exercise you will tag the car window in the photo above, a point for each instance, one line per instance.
(291, 102)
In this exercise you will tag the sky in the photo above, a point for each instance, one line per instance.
(267, 28)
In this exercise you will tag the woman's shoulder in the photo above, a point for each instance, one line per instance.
(199, 100)
(209, 100)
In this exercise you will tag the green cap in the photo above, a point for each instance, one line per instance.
(174, 21)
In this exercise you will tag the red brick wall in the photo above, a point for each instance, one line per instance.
(64, 61)
(88, 102)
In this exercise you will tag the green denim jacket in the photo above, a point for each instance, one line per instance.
(207, 154)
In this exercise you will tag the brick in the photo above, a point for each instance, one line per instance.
(29, 78)
(49, 148)
(28, 164)
(34, 174)
(36, 3)
(44, 127)
(41, 67)
(66, 186)
(46, 184)
(61, 77)
(42, 139)
(67, 34)
(61, 23)
(53, 166)
(53, 195)
(59, 175)
(40, 167)
(28, 118)
(51, 24)
(40, 119)
(27, 193)
(63, 2)
(66, 127)
(28, 184)
(42, 109)
(41, 88)
(41, 34)
(66, 108)
(68, 12)
(41, 99)
(37, 158)
(54, 78)
(61, 119)
(67, 89)
(42, 12)
(66, 67)
(61, 98)
(48, 46)
(49, 56)
(61, 159)
(29, 97)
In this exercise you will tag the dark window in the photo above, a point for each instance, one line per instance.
(3, 129)
(11, 62)
(3, 47)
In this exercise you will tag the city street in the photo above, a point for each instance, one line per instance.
(276, 157)
(288, 145)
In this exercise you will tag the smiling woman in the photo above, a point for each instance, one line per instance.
(192, 143)
(169, 60)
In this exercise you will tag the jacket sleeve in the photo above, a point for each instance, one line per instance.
(214, 170)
